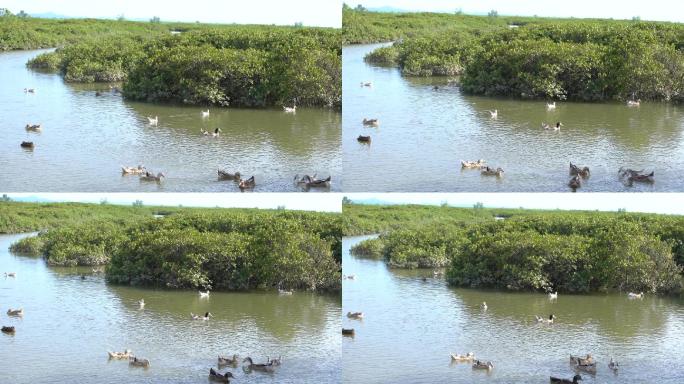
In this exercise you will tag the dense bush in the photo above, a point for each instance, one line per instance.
(235, 249)
(529, 250)
(370, 248)
(528, 57)
(251, 66)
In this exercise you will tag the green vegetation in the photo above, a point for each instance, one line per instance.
(527, 57)
(233, 249)
(207, 64)
(528, 250)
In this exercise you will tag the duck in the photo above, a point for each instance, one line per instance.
(207, 316)
(589, 368)
(127, 354)
(348, 332)
(546, 126)
(355, 315)
(633, 295)
(589, 359)
(575, 182)
(488, 171)
(203, 295)
(223, 175)
(136, 362)
(483, 365)
(284, 292)
(153, 121)
(292, 109)
(551, 105)
(577, 170)
(646, 178)
(15, 312)
(551, 319)
(540, 319)
(494, 114)
(363, 139)
(258, 367)
(10, 274)
(634, 103)
(140, 169)
(7, 329)
(27, 144)
(484, 305)
(29, 90)
(275, 362)
(247, 184)
(33, 127)
(149, 176)
(350, 277)
(472, 164)
(470, 356)
(574, 380)
(217, 132)
(553, 295)
(141, 303)
(204, 132)
(373, 122)
(366, 84)
(221, 378)
(613, 365)
(205, 113)
(228, 360)
(558, 126)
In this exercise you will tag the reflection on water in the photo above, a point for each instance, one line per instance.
(86, 138)
(424, 133)
(72, 318)
(410, 326)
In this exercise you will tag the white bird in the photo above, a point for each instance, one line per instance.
(292, 109)
(553, 295)
(204, 294)
(284, 292)
(633, 295)
(633, 103)
(153, 121)
(141, 302)
(494, 114)
(205, 113)
(484, 305)
(551, 105)
(204, 132)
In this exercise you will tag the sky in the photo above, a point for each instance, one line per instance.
(663, 10)
(323, 13)
(326, 202)
(670, 203)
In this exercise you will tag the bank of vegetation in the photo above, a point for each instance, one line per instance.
(527, 57)
(202, 64)
(527, 250)
(229, 249)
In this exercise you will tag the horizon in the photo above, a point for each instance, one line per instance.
(310, 13)
(290, 202)
(657, 203)
(658, 10)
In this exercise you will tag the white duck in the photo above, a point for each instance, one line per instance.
(205, 113)
(292, 109)
(553, 295)
(484, 305)
(551, 105)
(494, 114)
(204, 294)
(153, 121)
(206, 316)
(141, 303)
(633, 295)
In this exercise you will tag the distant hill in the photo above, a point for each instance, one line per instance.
(50, 15)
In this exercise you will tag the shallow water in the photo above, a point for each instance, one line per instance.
(411, 326)
(86, 139)
(424, 134)
(70, 323)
